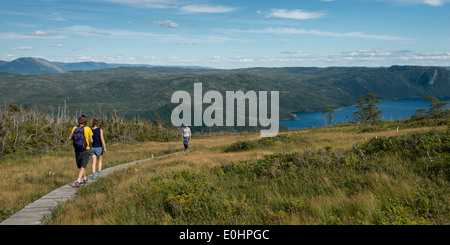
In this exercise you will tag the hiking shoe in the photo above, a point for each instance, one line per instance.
(77, 184)
(85, 181)
(93, 176)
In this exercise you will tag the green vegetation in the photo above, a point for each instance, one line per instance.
(328, 114)
(312, 176)
(437, 109)
(367, 109)
(399, 180)
(279, 187)
(132, 91)
(246, 144)
(30, 131)
(26, 178)
(368, 116)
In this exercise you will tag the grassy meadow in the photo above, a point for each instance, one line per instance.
(331, 175)
(25, 179)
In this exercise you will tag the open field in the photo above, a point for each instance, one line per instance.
(113, 199)
(25, 179)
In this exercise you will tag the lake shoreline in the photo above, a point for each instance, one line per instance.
(340, 108)
(395, 109)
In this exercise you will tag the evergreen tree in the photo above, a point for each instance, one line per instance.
(158, 121)
(330, 113)
(437, 107)
(420, 114)
(367, 109)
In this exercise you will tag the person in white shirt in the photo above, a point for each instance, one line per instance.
(186, 135)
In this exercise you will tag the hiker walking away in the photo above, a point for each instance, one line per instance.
(82, 138)
(98, 147)
(186, 135)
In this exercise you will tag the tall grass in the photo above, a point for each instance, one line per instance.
(36, 157)
(334, 183)
(24, 179)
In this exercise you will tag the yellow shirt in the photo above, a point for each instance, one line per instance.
(87, 133)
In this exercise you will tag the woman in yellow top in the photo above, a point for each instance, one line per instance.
(82, 138)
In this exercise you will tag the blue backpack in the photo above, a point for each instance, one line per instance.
(79, 141)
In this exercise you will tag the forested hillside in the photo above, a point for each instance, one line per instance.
(132, 92)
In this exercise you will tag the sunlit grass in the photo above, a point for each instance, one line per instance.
(27, 178)
(114, 200)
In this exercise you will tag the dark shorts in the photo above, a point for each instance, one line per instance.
(82, 158)
(98, 151)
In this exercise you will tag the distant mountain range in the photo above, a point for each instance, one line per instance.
(32, 65)
(146, 92)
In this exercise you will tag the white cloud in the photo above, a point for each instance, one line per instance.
(292, 52)
(377, 57)
(434, 3)
(39, 33)
(99, 33)
(164, 23)
(246, 60)
(7, 57)
(58, 45)
(84, 30)
(369, 58)
(210, 9)
(149, 4)
(78, 28)
(285, 30)
(26, 25)
(56, 17)
(297, 14)
(34, 35)
(12, 35)
(371, 36)
(22, 48)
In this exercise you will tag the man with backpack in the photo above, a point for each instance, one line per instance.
(82, 138)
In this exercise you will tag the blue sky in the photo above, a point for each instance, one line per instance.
(229, 34)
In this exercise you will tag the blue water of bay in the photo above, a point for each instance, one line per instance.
(392, 110)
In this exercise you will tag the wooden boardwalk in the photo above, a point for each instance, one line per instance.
(35, 212)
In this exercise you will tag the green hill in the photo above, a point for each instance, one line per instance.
(305, 177)
(142, 92)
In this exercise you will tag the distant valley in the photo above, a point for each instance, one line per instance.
(145, 92)
(31, 65)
